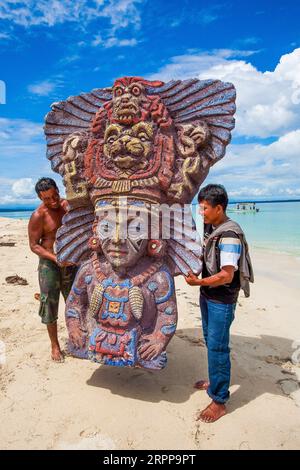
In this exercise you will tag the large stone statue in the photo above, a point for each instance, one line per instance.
(132, 158)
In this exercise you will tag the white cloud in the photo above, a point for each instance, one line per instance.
(195, 63)
(4, 36)
(261, 170)
(110, 16)
(113, 42)
(43, 88)
(22, 161)
(17, 191)
(22, 141)
(9, 200)
(247, 191)
(207, 17)
(69, 59)
(249, 40)
(20, 128)
(28, 13)
(290, 191)
(233, 53)
(2, 92)
(122, 13)
(97, 41)
(209, 14)
(267, 102)
(23, 187)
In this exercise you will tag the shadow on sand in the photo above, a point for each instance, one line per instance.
(256, 369)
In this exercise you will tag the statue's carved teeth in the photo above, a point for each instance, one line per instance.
(126, 117)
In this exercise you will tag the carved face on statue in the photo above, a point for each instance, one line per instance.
(127, 102)
(123, 236)
(128, 148)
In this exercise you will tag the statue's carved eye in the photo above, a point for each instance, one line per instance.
(137, 230)
(143, 137)
(119, 91)
(105, 229)
(111, 139)
(135, 90)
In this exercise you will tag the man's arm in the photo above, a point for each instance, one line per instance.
(224, 276)
(35, 232)
(230, 251)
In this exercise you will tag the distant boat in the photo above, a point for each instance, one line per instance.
(245, 207)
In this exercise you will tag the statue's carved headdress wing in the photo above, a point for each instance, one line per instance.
(70, 116)
(211, 101)
(73, 236)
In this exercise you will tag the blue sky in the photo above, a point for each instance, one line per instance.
(52, 49)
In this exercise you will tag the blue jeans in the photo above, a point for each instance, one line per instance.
(216, 322)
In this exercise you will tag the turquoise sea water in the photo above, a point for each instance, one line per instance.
(16, 214)
(276, 227)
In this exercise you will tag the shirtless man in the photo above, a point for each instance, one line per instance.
(53, 279)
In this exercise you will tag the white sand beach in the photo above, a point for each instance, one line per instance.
(81, 405)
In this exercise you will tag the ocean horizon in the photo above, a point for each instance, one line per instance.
(275, 228)
(23, 208)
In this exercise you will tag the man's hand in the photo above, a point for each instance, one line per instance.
(225, 276)
(193, 280)
(64, 264)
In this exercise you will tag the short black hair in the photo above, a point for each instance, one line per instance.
(44, 184)
(214, 194)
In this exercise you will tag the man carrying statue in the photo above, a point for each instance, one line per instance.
(53, 279)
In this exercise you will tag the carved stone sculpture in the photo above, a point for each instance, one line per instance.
(130, 155)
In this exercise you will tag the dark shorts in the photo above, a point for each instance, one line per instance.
(53, 280)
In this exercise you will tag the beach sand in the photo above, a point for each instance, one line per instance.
(81, 405)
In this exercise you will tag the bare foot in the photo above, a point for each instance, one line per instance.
(56, 354)
(212, 412)
(201, 385)
(37, 296)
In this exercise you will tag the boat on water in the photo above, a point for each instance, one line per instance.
(245, 207)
